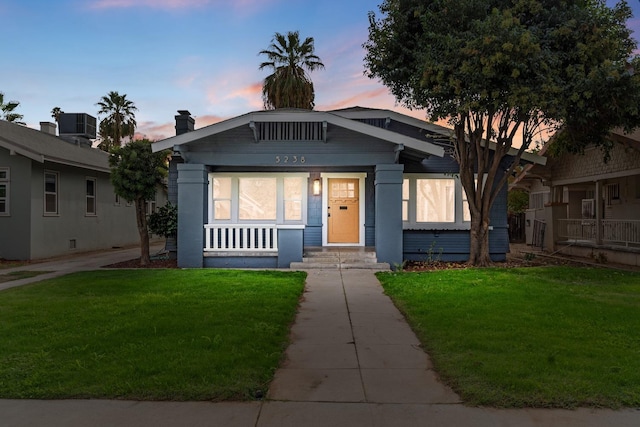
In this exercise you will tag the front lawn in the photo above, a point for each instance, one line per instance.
(528, 337)
(17, 275)
(147, 334)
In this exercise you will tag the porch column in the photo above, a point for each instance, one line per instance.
(192, 214)
(599, 213)
(388, 198)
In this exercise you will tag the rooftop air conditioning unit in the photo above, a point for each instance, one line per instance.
(77, 124)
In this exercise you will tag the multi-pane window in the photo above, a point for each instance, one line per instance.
(435, 200)
(152, 204)
(91, 196)
(612, 192)
(538, 200)
(4, 191)
(405, 199)
(258, 197)
(466, 213)
(222, 198)
(293, 198)
(51, 180)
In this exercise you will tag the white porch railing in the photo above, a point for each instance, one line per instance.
(241, 238)
(621, 232)
(577, 229)
(612, 231)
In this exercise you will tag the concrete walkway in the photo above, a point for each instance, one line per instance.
(60, 266)
(353, 361)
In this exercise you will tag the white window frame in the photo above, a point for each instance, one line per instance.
(56, 193)
(458, 224)
(6, 183)
(280, 200)
(152, 204)
(94, 196)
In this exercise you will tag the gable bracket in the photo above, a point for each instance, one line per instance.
(252, 125)
(324, 131)
(387, 122)
(398, 149)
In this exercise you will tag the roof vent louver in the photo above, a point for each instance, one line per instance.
(289, 131)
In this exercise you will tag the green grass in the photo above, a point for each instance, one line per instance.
(16, 275)
(528, 337)
(146, 334)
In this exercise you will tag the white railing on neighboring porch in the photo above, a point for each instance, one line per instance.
(577, 229)
(241, 238)
(621, 232)
(612, 231)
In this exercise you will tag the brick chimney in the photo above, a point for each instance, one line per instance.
(184, 122)
(48, 128)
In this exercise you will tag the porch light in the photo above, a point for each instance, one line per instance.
(316, 187)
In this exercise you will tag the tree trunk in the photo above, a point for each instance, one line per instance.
(479, 242)
(143, 230)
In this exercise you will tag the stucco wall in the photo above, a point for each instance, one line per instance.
(114, 225)
(14, 229)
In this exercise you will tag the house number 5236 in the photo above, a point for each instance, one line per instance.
(290, 159)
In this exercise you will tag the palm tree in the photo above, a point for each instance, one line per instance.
(55, 113)
(7, 111)
(120, 120)
(289, 86)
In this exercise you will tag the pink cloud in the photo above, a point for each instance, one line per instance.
(362, 98)
(247, 91)
(158, 131)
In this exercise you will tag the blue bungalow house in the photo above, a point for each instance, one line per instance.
(257, 189)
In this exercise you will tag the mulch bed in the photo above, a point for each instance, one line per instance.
(154, 263)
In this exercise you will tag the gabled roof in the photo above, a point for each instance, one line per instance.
(41, 147)
(347, 118)
(294, 115)
(432, 130)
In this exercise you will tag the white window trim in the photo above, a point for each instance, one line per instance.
(95, 196)
(457, 224)
(7, 199)
(44, 193)
(279, 197)
(152, 204)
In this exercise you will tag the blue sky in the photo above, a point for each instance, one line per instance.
(168, 55)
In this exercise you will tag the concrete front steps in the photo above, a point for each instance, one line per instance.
(339, 258)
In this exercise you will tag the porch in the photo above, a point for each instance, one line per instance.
(610, 232)
(281, 246)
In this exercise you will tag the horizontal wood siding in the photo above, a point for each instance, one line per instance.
(241, 262)
(313, 235)
(433, 164)
(236, 147)
(452, 245)
(370, 211)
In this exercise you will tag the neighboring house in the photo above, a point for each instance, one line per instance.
(580, 205)
(258, 189)
(56, 197)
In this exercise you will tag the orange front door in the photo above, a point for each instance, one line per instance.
(343, 210)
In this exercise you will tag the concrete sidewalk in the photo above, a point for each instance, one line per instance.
(60, 266)
(353, 361)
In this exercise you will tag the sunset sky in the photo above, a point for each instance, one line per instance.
(168, 55)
